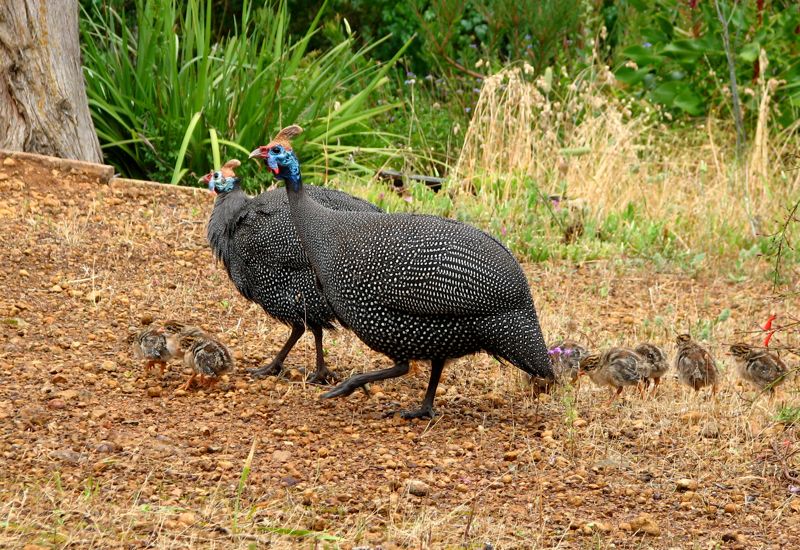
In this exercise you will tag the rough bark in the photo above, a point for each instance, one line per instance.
(43, 105)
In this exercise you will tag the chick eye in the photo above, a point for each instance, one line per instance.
(217, 175)
(276, 150)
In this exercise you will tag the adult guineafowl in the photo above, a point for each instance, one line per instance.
(412, 286)
(256, 241)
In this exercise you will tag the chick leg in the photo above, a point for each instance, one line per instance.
(189, 382)
(614, 396)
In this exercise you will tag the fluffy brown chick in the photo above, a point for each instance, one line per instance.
(762, 369)
(565, 356)
(156, 345)
(616, 368)
(695, 365)
(206, 356)
(655, 362)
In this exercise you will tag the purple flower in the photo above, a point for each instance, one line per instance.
(409, 74)
(555, 351)
(467, 109)
(647, 45)
(473, 46)
(410, 81)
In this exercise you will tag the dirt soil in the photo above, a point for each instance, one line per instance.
(96, 453)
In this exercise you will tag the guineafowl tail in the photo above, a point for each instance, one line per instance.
(515, 336)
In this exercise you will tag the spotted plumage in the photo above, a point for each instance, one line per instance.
(696, 368)
(256, 241)
(615, 368)
(655, 362)
(205, 355)
(414, 286)
(566, 356)
(759, 367)
(156, 345)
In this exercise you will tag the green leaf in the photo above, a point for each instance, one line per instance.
(642, 56)
(689, 102)
(631, 76)
(749, 52)
(178, 173)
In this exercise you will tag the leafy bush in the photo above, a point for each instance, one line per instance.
(673, 52)
(164, 94)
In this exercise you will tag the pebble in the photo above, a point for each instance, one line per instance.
(56, 404)
(417, 487)
(187, 518)
(644, 523)
(579, 423)
(154, 391)
(281, 456)
(686, 484)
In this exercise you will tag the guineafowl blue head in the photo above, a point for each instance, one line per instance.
(280, 157)
(223, 180)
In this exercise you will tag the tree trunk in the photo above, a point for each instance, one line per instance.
(43, 105)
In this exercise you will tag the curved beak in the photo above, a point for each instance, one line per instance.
(256, 153)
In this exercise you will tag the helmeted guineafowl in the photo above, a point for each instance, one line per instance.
(413, 286)
(256, 241)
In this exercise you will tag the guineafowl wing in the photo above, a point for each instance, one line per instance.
(425, 265)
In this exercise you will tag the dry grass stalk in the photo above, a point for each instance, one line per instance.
(591, 145)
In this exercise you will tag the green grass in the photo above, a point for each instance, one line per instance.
(164, 95)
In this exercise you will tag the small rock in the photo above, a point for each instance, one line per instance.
(58, 379)
(510, 456)
(146, 319)
(289, 481)
(56, 288)
(686, 484)
(731, 508)
(281, 456)
(34, 416)
(187, 518)
(579, 423)
(710, 430)
(644, 523)
(67, 455)
(93, 296)
(155, 391)
(108, 366)
(732, 537)
(56, 404)
(8, 161)
(418, 488)
(67, 395)
(575, 500)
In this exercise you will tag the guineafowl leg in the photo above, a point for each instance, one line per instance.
(323, 375)
(359, 380)
(426, 410)
(275, 368)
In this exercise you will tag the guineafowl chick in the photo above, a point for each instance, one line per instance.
(655, 362)
(565, 357)
(206, 356)
(762, 369)
(156, 345)
(696, 368)
(616, 368)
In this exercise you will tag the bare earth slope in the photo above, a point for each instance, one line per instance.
(95, 453)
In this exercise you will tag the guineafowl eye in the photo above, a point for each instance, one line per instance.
(277, 150)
